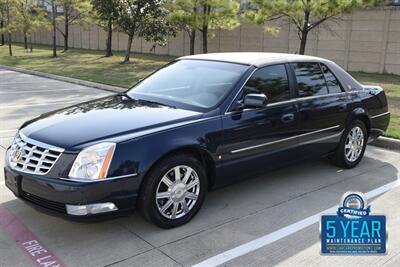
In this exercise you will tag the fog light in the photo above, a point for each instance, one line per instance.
(81, 210)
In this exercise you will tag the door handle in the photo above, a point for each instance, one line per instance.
(287, 117)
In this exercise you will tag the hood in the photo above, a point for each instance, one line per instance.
(104, 118)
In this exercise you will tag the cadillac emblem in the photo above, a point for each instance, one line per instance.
(17, 155)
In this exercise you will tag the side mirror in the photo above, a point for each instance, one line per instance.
(255, 101)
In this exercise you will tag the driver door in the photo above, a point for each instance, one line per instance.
(258, 139)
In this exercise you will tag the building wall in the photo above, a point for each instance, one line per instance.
(367, 40)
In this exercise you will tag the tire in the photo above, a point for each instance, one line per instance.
(161, 180)
(343, 157)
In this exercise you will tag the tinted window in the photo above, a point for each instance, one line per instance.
(331, 81)
(198, 83)
(310, 79)
(271, 81)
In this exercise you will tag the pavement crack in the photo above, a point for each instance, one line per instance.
(118, 261)
(180, 264)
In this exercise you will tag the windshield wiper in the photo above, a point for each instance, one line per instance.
(158, 103)
(149, 101)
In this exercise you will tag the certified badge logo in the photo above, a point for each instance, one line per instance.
(353, 230)
(353, 206)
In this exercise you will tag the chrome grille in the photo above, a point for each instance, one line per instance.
(27, 155)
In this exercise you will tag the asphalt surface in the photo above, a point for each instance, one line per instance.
(229, 221)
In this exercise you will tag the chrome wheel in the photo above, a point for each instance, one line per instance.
(177, 192)
(354, 144)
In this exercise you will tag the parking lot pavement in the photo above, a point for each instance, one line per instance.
(24, 96)
(230, 217)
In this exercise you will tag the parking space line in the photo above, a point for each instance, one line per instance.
(27, 241)
(2, 183)
(283, 232)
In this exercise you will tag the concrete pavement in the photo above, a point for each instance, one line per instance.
(230, 217)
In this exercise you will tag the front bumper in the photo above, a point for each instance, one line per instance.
(54, 194)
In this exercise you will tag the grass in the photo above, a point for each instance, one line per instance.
(90, 65)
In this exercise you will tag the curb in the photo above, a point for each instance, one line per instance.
(105, 87)
(386, 142)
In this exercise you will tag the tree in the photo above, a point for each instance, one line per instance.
(184, 14)
(8, 8)
(2, 41)
(218, 14)
(28, 19)
(304, 14)
(53, 23)
(9, 24)
(104, 14)
(143, 18)
(74, 11)
(2, 21)
(54, 26)
(204, 16)
(22, 12)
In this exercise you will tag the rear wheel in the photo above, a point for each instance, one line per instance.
(173, 191)
(352, 145)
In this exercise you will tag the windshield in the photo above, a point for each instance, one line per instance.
(197, 83)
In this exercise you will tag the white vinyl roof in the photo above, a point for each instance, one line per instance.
(253, 58)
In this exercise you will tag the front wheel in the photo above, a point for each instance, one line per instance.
(352, 145)
(173, 191)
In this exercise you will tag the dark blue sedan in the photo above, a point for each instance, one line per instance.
(196, 124)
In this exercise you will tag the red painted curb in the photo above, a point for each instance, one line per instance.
(27, 241)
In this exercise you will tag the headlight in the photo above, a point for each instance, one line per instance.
(93, 162)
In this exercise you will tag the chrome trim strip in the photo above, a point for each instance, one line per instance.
(293, 100)
(283, 140)
(319, 96)
(38, 143)
(101, 180)
(323, 138)
(380, 115)
(282, 102)
(123, 176)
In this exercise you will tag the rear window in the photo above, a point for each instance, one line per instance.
(345, 78)
(310, 79)
(331, 81)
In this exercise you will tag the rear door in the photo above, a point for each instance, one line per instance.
(322, 106)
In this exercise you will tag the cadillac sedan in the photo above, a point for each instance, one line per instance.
(196, 124)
